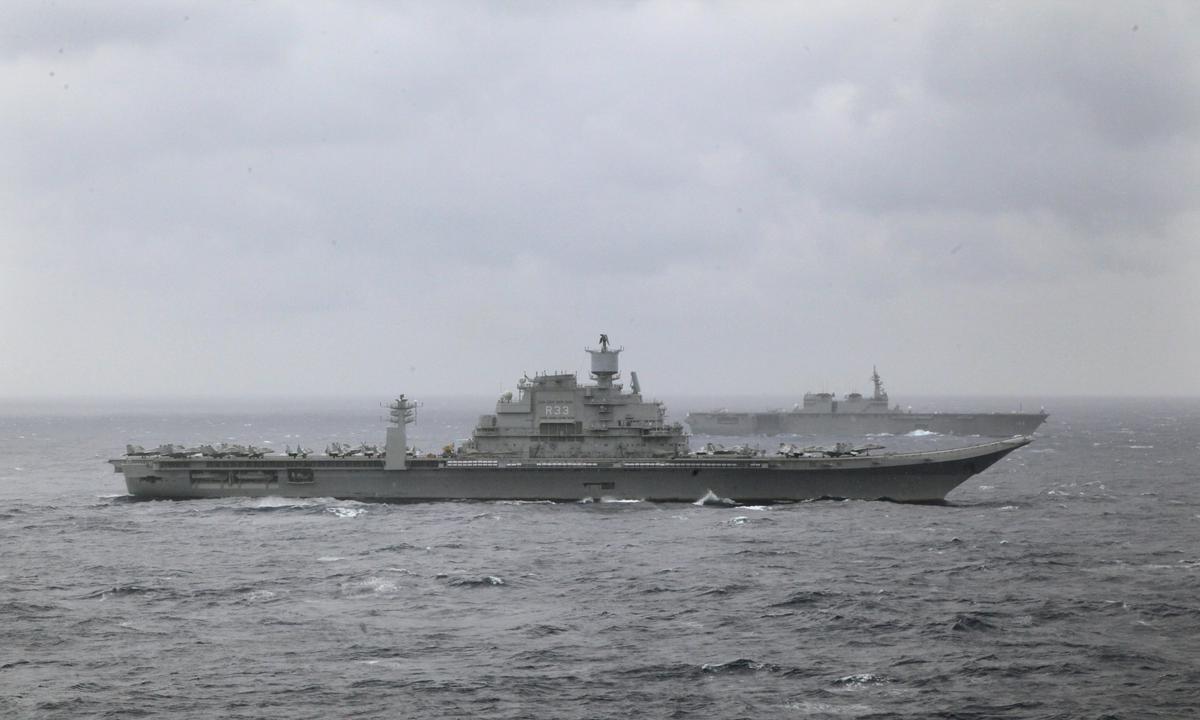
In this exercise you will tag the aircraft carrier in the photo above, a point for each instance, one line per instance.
(855, 415)
(557, 439)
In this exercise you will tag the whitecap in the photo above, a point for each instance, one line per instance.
(711, 498)
(921, 433)
(475, 581)
(346, 512)
(274, 501)
(860, 679)
(379, 585)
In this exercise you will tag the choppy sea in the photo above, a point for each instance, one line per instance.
(1064, 582)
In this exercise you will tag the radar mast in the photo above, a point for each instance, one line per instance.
(604, 363)
(403, 411)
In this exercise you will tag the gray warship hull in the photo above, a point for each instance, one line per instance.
(900, 477)
(743, 424)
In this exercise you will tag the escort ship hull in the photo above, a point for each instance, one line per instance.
(823, 414)
(742, 424)
(901, 477)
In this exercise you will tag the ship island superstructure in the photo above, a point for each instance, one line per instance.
(553, 416)
(826, 402)
(558, 439)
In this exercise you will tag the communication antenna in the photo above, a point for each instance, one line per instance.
(403, 411)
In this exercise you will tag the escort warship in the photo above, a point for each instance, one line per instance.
(823, 414)
(559, 440)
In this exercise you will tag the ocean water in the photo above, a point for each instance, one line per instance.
(1062, 583)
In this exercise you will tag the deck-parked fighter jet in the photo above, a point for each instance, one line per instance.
(837, 450)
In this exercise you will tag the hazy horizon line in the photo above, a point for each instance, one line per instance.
(322, 397)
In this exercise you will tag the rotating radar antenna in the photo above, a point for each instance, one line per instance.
(604, 362)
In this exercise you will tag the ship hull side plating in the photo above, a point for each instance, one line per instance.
(737, 424)
(925, 477)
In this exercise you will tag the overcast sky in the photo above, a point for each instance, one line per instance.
(286, 198)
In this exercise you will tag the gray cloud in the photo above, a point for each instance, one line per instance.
(277, 198)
